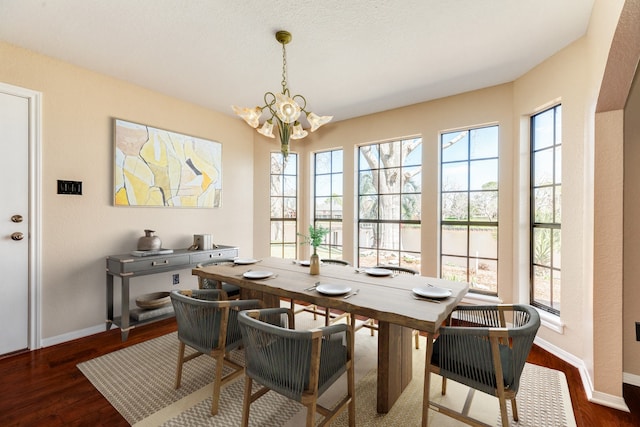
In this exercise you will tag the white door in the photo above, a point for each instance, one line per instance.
(14, 222)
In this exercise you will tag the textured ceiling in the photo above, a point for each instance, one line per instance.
(347, 57)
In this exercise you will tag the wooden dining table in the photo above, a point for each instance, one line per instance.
(388, 299)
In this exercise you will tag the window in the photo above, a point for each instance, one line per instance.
(546, 203)
(327, 205)
(469, 208)
(389, 203)
(284, 205)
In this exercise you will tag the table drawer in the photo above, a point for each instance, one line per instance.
(157, 263)
(216, 254)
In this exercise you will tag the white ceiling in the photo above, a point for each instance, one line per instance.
(347, 57)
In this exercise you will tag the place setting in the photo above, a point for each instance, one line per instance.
(430, 293)
(244, 261)
(377, 272)
(304, 262)
(333, 289)
(259, 275)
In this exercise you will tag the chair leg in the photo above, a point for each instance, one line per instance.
(444, 386)
(311, 413)
(514, 409)
(217, 381)
(180, 363)
(416, 335)
(246, 403)
(503, 411)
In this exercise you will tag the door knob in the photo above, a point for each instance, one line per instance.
(17, 236)
(16, 218)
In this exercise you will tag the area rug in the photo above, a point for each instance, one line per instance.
(138, 382)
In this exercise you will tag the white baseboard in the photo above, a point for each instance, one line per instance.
(59, 339)
(631, 379)
(611, 401)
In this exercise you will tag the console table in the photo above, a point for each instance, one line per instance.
(127, 266)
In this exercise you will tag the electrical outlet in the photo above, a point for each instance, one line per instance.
(637, 331)
(176, 279)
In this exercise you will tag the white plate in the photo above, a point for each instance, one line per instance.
(306, 263)
(245, 261)
(378, 272)
(257, 274)
(330, 289)
(432, 292)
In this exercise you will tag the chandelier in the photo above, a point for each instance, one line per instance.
(282, 109)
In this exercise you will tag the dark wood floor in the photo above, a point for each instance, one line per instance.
(44, 387)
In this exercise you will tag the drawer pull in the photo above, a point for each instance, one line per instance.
(165, 262)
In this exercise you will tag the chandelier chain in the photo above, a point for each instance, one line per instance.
(284, 68)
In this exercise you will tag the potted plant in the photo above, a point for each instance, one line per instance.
(315, 237)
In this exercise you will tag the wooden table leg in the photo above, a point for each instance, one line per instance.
(269, 300)
(394, 363)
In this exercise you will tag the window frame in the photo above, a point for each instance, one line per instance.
(285, 245)
(469, 224)
(329, 248)
(555, 227)
(377, 222)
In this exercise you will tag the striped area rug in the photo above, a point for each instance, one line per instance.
(138, 382)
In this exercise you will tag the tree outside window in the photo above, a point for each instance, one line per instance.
(389, 203)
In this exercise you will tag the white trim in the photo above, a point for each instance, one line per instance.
(59, 339)
(632, 379)
(35, 206)
(551, 321)
(611, 401)
(474, 298)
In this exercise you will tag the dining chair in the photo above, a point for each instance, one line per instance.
(329, 317)
(233, 291)
(485, 348)
(208, 323)
(370, 323)
(298, 364)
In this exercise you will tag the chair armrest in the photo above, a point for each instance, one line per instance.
(245, 304)
(332, 329)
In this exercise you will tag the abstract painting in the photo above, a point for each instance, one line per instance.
(157, 167)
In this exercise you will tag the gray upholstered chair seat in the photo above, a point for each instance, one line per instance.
(208, 322)
(299, 364)
(486, 348)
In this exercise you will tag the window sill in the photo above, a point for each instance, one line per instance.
(480, 299)
(551, 321)
(547, 320)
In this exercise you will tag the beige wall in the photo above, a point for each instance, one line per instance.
(78, 232)
(632, 229)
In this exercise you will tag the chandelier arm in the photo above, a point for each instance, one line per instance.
(270, 103)
(284, 129)
(304, 102)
